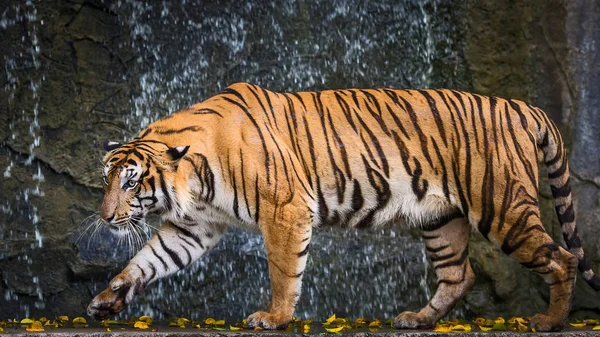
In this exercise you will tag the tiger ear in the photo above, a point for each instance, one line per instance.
(176, 153)
(109, 146)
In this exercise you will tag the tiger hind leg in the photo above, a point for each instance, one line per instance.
(526, 240)
(446, 242)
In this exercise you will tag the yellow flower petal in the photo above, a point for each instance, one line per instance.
(146, 319)
(141, 325)
(209, 321)
(514, 320)
(62, 318)
(592, 321)
(499, 320)
(461, 327)
(360, 321)
(52, 324)
(334, 330)
(234, 328)
(220, 322)
(330, 319)
(79, 320)
(578, 325)
(36, 326)
(1, 330)
(26, 321)
(442, 328)
(258, 328)
(596, 328)
(479, 321)
(375, 324)
(522, 327)
(485, 328)
(183, 320)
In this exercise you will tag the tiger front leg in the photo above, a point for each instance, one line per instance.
(171, 249)
(287, 240)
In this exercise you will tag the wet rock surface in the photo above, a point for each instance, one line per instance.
(78, 72)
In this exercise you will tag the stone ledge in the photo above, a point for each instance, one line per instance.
(188, 333)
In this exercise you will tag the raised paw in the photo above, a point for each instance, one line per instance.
(268, 321)
(115, 298)
(544, 323)
(412, 320)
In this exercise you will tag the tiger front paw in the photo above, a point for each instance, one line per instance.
(412, 320)
(115, 298)
(268, 321)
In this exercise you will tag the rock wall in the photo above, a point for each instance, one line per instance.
(78, 72)
(540, 51)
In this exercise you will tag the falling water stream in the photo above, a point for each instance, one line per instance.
(186, 52)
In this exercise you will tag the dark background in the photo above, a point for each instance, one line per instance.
(74, 73)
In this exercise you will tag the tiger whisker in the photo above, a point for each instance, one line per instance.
(86, 229)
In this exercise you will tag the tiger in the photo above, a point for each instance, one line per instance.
(283, 164)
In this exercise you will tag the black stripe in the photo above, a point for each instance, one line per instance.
(165, 190)
(174, 257)
(357, 198)
(346, 110)
(263, 109)
(418, 187)
(236, 205)
(159, 257)
(244, 184)
(377, 145)
(258, 130)
(394, 97)
(436, 249)
(559, 172)
(256, 200)
(417, 127)
(515, 237)
(563, 191)
(206, 111)
(161, 131)
(442, 257)
(145, 133)
(304, 252)
(457, 262)
(187, 233)
(153, 268)
(436, 115)
(567, 216)
(445, 188)
(555, 159)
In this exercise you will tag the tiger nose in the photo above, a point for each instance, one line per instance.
(107, 218)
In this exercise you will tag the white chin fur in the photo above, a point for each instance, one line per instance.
(119, 231)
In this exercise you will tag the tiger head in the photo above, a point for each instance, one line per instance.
(138, 180)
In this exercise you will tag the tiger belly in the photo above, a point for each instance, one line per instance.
(393, 200)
